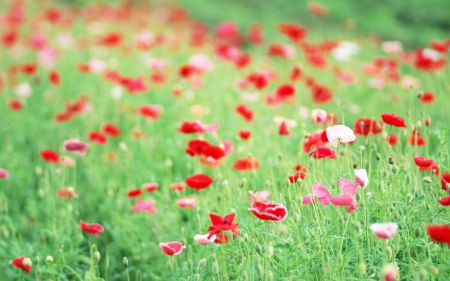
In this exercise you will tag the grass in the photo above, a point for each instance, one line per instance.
(314, 242)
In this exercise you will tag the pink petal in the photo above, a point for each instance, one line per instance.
(348, 187)
(322, 193)
(308, 199)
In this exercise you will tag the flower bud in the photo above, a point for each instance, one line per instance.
(49, 259)
(243, 182)
(97, 256)
(27, 262)
(215, 267)
(269, 251)
(391, 160)
(417, 232)
(202, 263)
(125, 262)
(427, 180)
(362, 268)
(361, 148)
(123, 147)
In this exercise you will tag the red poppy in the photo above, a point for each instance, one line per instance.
(393, 120)
(294, 177)
(366, 126)
(54, 78)
(150, 111)
(67, 193)
(134, 192)
(50, 156)
(439, 233)
(243, 61)
(9, 38)
(292, 31)
(300, 167)
(315, 139)
(171, 248)
(427, 97)
(98, 137)
(15, 105)
(245, 112)
(269, 211)
(29, 68)
(445, 201)
(187, 71)
(255, 33)
(245, 135)
(392, 139)
(246, 164)
(285, 91)
(416, 138)
(321, 94)
(197, 147)
(220, 224)
(258, 80)
(177, 186)
(426, 62)
(445, 181)
(423, 162)
(150, 187)
(93, 228)
(317, 9)
(23, 263)
(111, 39)
(323, 152)
(199, 181)
(111, 130)
(283, 130)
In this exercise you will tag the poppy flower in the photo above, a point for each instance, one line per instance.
(147, 206)
(134, 192)
(393, 120)
(346, 198)
(439, 233)
(340, 133)
(50, 156)
(392, 139)
(416, 139)
(246, 164)
(317, 9)
(445, 201)
(255, 33)
(68, 192)
(384, 230)
(283, 130)
(93, 228)
(260, 196)
(423, 162)
(187, 202)
(245, 135)
(220, 224)
(320, 193)
(199, 181)
(150, 111)
(4, 174)
(172, 248)
(321, 94)
(389, 272)
(314, 140)
(197, 127)
(98, 137)
(366, 126)
(294, 177)
(23, 263)
(111, 130)
(445, 181)
(285, 91)
(177, 186)
(29, 68)
(54, 78)
(76, 146)
(427, 97)
(15, 105)
(245, 112)
(292, 31)
(269, 211)
(361, 177)
(150, 187)
(204, 239)
(197, 147)
(323, 152)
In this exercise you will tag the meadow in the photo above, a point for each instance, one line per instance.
(139, 143)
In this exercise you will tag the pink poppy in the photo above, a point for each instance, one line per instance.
(187, 202)
(260, 196)
(349, 190)
(76, 146)
(320, 193)
(4, 174)
(269, 211)
(150, 187)
(205, 239)
(147, 206)
(384, 230)
(171, 248)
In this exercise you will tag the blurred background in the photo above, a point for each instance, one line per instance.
(413, 22)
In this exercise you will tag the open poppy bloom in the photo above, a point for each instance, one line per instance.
(172, 248)
(366, 126)
(245, 135)
(197, 127)
(445, 181)
(283, 130)
(384, 230)
(260, 196)
(338, 134)
(245, 112)
(439, 233)
(346, 198)
(150, 111)
(393, 120)
(269, 211)
(187, 202)
(150, 187)
(220, 224)
(134, 192)
(4, 174)
(177, 186)
(50, 156)
(111, 130)
(147, 206)
(98, 137)
(76, 146)
(445, 201)
(93, 228)
(361, 177)
(199, 181)
(23, 263)
(320, 193)
(323, 152)
(204, 239)
(246, 164)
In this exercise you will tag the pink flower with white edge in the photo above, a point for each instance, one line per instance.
(205, 239)
(260, 196)
(319, 116)
(4, 174)
(384, 230)
(187, 202)
(76, 146)
(361, 177)
(389, 272)
(201, 62)
(339, 134)
(145, 207)
(172, 248)
(269, 211)
(320, 193)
